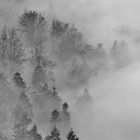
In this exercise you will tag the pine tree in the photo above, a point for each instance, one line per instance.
(55, 134)
(65, 114)
(65, 119)
(34, 132)
(65, 106)
(55, 116)
(19, 80)
(72, 136)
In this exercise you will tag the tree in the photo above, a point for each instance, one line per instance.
(72, 136)
(65, 115)
(65, 106)
(34, 26)
(43, 68)
(11, 48)
(22, 117)
(120, 54)
(34, 132)
(58, 27)
(70, 45)
(85, 98)
(38, 78)
(19, 80)
(55, 134)
(65, 119)
(55, 116)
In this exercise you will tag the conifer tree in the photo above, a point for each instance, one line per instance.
(72, 136)
(55, 134)
(35, 134)
(19, 80)
(55, 116)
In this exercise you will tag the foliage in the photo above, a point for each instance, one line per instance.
(35, 134)
(19, 80)
(58, 27)
(55, 116)
(55, 135)
(72, 135)
(10, 46)
(22, 116)
(34, 25)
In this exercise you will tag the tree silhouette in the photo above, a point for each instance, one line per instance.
(55, 116)
(34, 26)
(55, 134)
(58, 27)
(72, 136)
(35, 134)
(19, 80)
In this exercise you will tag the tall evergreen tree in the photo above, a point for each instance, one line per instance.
(34, 133)
(72, 136)
(55, 116)
(55, 134)
(19, 80)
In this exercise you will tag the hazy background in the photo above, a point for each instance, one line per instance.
(115, 112)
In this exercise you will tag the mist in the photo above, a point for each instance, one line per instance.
(110, 108)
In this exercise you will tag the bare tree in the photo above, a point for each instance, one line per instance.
(11, 46)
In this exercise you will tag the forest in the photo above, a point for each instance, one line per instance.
(39, 58)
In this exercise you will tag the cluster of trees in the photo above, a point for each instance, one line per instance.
(28, 50)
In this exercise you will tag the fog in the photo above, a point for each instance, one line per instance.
(114, 112)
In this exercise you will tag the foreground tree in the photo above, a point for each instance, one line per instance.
(34, 133)
(55, 134)
(72, 135)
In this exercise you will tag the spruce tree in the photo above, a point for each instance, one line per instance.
(19, 80)
(72, 136)
(55, 134)
(55, 116)
(34, 133)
